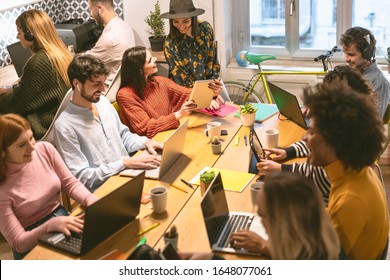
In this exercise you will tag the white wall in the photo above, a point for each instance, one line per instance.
(135, 12)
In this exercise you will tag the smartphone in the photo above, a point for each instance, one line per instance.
(224, 132)
(170, 253)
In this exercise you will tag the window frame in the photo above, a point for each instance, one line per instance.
(241, 28)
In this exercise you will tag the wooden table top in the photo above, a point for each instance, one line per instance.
(183, 209)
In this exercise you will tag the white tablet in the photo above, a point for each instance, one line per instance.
(202, 94)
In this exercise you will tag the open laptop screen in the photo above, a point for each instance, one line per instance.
(19, 56)
(288, 105)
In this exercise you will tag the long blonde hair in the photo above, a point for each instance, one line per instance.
(11, 126)
(46, 38)
(298, 225)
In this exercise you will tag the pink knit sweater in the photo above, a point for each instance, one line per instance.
(31, 192)
(155, 112)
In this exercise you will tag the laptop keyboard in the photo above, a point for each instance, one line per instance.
(235, 223)
(71, 243)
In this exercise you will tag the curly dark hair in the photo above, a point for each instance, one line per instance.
(356, 35)
(348, 121)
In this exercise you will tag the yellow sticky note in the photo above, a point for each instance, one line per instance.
(237, 141)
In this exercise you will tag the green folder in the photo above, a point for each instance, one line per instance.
(264, 111)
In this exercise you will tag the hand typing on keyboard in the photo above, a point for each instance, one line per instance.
(250, 241)
(66, 224)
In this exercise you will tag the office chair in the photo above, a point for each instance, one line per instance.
(114, 87)
(376, 166)
(49, 137)
(49, 133)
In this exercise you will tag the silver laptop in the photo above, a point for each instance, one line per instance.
(102, 219)
(221, 223)
(288, 106)
(173, 148)
(19, 56)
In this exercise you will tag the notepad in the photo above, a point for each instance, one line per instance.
(235, 181)
(223, 111)
(264, 111)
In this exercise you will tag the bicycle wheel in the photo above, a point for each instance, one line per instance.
(237, 90)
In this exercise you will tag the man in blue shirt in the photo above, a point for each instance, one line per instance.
(89, 134)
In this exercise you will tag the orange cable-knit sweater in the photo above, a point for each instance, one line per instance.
(155, 112)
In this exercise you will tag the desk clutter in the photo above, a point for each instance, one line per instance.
(195, 159)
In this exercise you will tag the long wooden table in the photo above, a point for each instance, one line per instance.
(183, 209)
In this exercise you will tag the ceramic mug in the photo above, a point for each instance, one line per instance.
(158, 196)
(213, 129)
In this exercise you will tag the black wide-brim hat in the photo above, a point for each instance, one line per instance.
(182, 9)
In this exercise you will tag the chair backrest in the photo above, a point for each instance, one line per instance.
(114, 87)
(49, 133)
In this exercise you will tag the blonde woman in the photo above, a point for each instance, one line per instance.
(294, 216)
(44, 81)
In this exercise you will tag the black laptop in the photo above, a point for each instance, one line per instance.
(19, 56)
(221, 223)
(288, 106)
(102, 219)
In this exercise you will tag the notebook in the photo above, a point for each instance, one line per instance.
(173, 148)
(224, 110)
(220, 222)
(264, 111)
(19, 56)
(102, 219)
(288, 106)
(202, 94)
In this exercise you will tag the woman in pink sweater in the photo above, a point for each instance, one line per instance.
(150, 104)
(31, 178)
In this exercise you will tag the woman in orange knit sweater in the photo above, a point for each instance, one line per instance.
(150, 104)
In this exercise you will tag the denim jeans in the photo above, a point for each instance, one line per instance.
(59, 211)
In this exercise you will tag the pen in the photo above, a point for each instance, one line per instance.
(147, 229)
(188, 184)
(179, 188)
(246, 143)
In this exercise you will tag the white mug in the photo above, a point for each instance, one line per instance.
(271, 138)
(255, 189)
(158, 196)
(213, 129)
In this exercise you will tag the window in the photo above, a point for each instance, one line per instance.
(304, 28)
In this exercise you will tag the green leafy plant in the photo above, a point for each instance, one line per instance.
(247, 109)
(215, 141)
(155, 22)
(387, 56)
(207, 176)
(172, 233)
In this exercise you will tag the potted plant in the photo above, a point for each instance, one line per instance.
(387, 56)
(157, 26)
(247, 114)
(216, 145)
(205, 180)
(171, 236)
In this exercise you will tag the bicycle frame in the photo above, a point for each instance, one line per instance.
(262, 73)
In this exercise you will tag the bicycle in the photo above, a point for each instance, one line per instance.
(240, 93)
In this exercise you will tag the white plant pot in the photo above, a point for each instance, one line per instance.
(248, 119)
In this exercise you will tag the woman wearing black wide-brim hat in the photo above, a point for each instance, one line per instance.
(190, 49)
